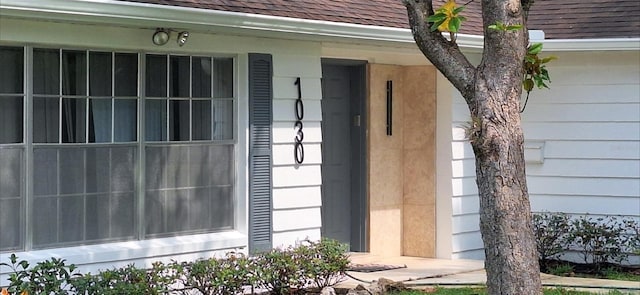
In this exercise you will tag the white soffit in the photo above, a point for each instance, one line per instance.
(142, 15)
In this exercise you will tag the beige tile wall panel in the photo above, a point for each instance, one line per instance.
(402, 166)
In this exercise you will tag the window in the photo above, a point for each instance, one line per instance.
(84, 146)
(12, 149)
(84, 108)
(189, 98)
(189, 155)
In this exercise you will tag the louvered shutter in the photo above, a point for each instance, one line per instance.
(260, 119)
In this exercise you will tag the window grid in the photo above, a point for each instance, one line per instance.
(163, 187)
(12, 147)
(170, 102)
(222, 148)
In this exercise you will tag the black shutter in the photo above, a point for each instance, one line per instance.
(260, 119)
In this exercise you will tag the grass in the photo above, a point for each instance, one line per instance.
(561, 270)
(614, 274)
(482, 291)
(610, 273)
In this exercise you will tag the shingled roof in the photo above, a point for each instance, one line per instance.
(566, 19)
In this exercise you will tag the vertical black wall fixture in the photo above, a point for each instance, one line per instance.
(389, 107)
(298, 148)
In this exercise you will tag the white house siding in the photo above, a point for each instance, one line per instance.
(588, 127)
(466, 240)
(589, 123)
(296, 194)
(296, 188)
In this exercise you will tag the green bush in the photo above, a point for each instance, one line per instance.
(552, 232)
(633, 233)
(46, 277)
(279, 271)
(214, 276)
(126, 280)
(310, 264)
(598, 240)
(324, 263)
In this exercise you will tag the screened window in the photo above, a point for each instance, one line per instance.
(188, 98)
(12, 149)
(86, 185)
(84, 192)
(189, 127)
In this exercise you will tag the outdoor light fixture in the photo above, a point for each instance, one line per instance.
(182, 38)
(160, 37)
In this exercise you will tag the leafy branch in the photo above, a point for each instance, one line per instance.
(535, 70)
(448, 19)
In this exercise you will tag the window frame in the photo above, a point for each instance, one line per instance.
(167, 142)
(140, 143)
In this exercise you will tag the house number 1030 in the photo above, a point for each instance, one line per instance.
(298, 148)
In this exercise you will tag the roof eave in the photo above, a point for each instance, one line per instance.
(608, 44)
(110, 12)
(122, 13)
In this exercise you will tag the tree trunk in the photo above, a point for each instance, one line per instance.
(492, 92)
(505, 219)
(498, 143)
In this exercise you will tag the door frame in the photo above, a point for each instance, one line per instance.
(359, 192)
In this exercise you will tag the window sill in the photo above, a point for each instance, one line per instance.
(92, 258)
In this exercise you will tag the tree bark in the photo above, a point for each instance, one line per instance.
(492, 92)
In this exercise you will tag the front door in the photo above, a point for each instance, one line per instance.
(343, 199)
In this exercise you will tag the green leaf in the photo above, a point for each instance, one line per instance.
(545, 74)
(454, 24)
(438, 17)
(514, 27)
(493, 27)
(539, 81)
(435, 26)
(458, 10)
(530, 59)
(527, 85)
(535, 48)
(548, 59)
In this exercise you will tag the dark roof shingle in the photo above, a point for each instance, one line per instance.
(566, 19)
(578, 19)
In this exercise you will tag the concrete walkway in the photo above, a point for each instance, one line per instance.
(425, 272)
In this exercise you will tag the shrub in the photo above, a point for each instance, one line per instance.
(633, 232)
(279, 271)
(551, 230)
(310, 264)
(46, 277)
(125, 280)
(324, 263)
(599, 240)
(214, 276)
